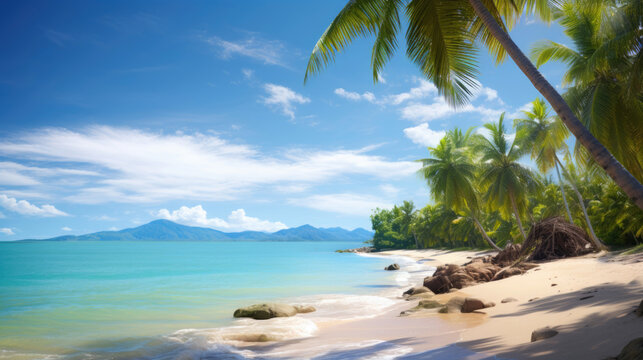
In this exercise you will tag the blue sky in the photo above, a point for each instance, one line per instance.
(118, 113)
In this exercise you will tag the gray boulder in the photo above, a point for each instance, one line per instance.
(543, 333)
(392, 267)
(271, 310)
(632, 351)
(416, 290)
(454, 305)
(304, 309)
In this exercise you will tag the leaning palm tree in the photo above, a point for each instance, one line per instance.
(450, 175)
(545, 136)
(602, 74)
(441, 39)
(507, 182)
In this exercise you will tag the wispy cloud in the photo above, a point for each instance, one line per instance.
(283, 98)
(271, 52)
(236, 221)
(65, 228)
(24, 207)
(59, 38)
(7, 231)
(423, 135)
(439, 109)
(343, 203)
(368, 96)
(424, 89)
(139, 166)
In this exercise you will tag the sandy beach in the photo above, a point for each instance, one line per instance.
(589, 300)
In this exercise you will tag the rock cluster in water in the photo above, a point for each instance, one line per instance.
(271, 310)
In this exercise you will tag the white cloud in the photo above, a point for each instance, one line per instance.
(247, 73)
(440, 109)
(104, 218)
(65, 228)
(488, 93)
(7, 231)
(269, 52)
(345, 203)
(423, 135)
(237, 220)
(284, 98)
(14, 174)
(389, 189)
(138, 166)
(25, 208)
(380, 78)
(368, 96)
(519, 112)
(424, 89)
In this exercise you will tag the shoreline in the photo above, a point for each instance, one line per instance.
(589, 300)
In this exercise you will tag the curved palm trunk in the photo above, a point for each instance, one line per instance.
(597, 243)
(517, 215)
(484, 234)
(600, 154)
(562, 190)
(417, 244)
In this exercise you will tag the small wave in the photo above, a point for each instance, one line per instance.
(248, 330)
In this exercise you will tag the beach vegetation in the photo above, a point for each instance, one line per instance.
(443, 38)
(484, 195)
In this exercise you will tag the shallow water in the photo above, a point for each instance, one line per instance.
(166, 300)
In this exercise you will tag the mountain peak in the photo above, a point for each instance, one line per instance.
(166, 230)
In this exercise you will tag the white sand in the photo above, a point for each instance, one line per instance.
(593, 328)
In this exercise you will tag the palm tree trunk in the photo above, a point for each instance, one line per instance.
(630, 185)
(417, 244)
(484, 234)
(562, 190)
(597, 242)
(517, 215)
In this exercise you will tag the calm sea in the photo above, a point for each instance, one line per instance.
(166, 300)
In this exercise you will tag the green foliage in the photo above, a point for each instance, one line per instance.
(604, 74)
(464, 166)
(393, 227)
(442, 37)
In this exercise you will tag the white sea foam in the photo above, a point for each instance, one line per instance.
(330, 308)
(248, 330)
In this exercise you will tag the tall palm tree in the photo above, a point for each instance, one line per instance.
(545, 136)
(601, 68)
(441, 39)
(450, 175)
(507, 181)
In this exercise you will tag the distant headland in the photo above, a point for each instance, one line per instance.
(165, 230)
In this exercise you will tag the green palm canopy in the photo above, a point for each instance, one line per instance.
(507, 182)
(451, 175)
(442, 38)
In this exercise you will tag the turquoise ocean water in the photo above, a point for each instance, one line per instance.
(165, 300)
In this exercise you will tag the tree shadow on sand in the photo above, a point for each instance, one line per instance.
(592, 337)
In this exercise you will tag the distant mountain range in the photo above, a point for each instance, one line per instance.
(165, 230)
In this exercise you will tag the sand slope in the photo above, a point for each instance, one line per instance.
(592, 328)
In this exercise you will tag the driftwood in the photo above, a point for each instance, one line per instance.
(555, 238)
